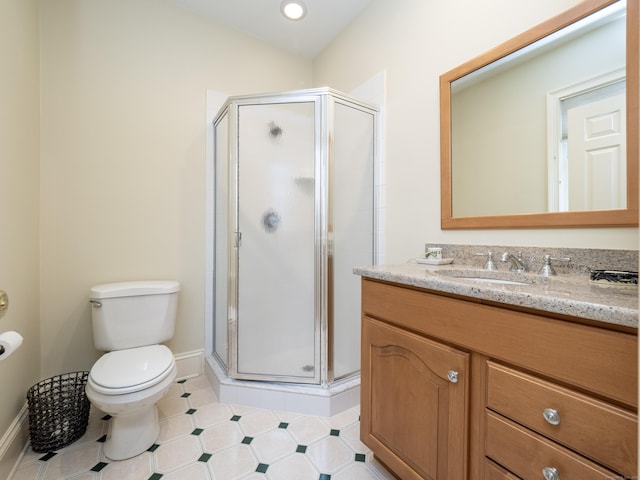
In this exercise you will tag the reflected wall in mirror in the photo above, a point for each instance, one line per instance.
(542, 131)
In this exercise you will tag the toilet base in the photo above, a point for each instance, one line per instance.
(132, 433)
(134, 417)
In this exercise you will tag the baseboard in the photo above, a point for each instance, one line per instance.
(190, 364)
(13, 442)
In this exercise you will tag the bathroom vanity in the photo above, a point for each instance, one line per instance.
(463, 378)
(474, 374)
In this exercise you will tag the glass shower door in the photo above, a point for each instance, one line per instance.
(352, 218)
(276, 243)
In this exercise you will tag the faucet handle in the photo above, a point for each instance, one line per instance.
(547, 269)
(490, 264)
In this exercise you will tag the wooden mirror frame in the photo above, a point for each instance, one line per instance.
(594, 218)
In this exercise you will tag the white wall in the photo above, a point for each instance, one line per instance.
(123, 167)
(19, 145)
(415, 41)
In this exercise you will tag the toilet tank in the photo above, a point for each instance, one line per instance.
(133, 314)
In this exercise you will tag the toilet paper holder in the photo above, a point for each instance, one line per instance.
(4, 306)
(4, 303)
(10, 341)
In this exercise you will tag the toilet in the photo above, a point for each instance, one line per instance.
(130, 321)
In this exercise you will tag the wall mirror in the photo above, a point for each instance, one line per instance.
(542, 131)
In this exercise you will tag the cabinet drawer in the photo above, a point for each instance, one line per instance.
(496, 472)
(603, 432)
(526, 454)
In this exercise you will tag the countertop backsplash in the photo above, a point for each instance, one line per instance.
(582, 259)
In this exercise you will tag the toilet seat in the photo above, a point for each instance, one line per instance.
(131, 370)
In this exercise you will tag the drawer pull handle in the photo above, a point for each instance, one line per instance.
(550, 473)
(551, 415)
(452, 375)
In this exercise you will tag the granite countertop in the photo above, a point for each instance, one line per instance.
(567, 294)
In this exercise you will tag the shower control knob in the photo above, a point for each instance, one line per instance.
(550, 473)
(452, 375)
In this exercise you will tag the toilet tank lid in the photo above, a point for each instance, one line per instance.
(130, 289)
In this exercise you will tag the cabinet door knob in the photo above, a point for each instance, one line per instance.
(551, 415)
(452, 375)
(550, 473)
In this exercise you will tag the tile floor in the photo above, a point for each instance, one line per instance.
(201, 438)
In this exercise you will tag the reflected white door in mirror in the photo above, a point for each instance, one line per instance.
(586, 132)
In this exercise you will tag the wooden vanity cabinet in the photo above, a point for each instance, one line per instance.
(453, 388)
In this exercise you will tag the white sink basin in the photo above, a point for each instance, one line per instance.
(494, 280)
(494, 277)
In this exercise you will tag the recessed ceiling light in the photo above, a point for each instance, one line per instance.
(293, 10)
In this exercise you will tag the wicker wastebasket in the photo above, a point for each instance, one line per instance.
(58, 411)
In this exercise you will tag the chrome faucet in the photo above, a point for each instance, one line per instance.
(517, 263)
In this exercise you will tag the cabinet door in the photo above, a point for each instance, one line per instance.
(414, 403)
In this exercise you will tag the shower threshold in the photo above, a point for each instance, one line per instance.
(307, 399)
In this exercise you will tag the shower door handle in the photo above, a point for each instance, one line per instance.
(238, 239)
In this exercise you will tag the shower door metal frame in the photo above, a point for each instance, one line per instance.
(324, 100)
(320, 247)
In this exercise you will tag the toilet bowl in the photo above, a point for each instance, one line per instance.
(130, 322)
(127, 384)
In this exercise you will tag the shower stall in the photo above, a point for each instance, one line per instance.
(294, 177)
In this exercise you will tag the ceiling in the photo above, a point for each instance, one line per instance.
(262, 19)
